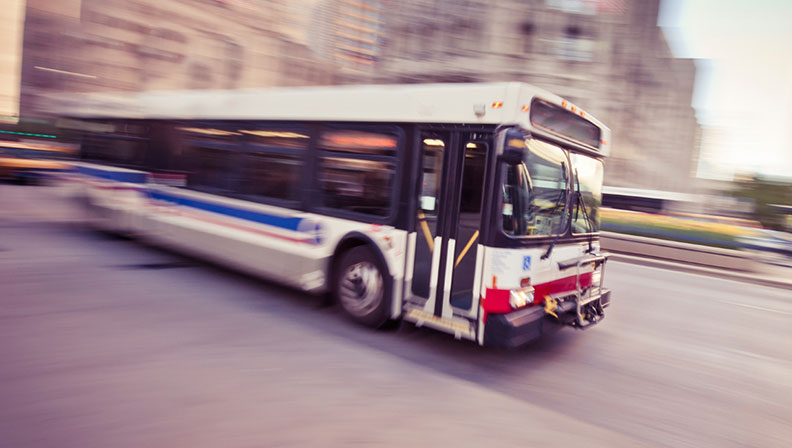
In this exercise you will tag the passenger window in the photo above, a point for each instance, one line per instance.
(360, 186)
(270, 175)
(211, 170)
(429, 200)
(359, 142)
(356, 171)
(211, 158)
(273, 164)
(278, 138)
(473, 177)
(116, 143)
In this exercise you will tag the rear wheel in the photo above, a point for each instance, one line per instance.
(362, 287)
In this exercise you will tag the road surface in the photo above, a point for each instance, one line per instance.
(107, 342)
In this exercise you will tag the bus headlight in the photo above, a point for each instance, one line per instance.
(518, 298)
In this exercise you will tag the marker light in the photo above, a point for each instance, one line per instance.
(497, 104)
(563, 103)
(525, 108)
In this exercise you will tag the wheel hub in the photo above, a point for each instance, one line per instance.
(361, 288)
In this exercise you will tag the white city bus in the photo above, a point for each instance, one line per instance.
(469, 208)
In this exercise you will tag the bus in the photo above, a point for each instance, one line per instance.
(648, 201)
(472, 209)
(30, 161)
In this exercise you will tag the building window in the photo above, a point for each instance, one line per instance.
(527, 30)
(574, 46)
(587, 7)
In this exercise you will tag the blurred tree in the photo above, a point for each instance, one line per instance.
(764, 193)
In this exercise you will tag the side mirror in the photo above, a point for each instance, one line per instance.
(513, 147)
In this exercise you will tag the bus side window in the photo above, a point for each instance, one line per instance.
(210, 157)
(473, 177)
(115, 142)
(273, 163)
(356, 171)
(429, 200)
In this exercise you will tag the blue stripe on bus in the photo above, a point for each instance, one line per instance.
(282, 222)
(118, 176)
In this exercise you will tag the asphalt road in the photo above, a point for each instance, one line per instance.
(107, 342)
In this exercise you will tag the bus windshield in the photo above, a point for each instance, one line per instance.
(588, 174)
(535, 191)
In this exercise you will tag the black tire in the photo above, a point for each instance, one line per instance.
(363, 287)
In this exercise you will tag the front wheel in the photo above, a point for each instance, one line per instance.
(362, 288)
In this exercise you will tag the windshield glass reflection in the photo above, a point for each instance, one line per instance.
(588, 174)
(535, 191)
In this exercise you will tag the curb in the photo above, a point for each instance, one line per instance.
(747, 277)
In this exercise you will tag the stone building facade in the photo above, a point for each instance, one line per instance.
(135, 45)
(607, 56)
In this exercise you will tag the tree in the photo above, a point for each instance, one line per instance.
(764, 193)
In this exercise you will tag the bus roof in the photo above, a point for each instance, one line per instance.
(469, 103)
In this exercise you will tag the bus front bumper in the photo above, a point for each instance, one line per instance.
(526, 325)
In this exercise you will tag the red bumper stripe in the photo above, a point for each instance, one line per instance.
(496, 301)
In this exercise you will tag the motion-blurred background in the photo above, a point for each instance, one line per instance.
(110, 343)
(627, 62)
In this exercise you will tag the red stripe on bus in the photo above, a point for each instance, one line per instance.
(239, 226)
(496, 301)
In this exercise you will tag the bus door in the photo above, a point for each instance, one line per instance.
(448, 220)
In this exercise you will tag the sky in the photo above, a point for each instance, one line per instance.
(743, 93)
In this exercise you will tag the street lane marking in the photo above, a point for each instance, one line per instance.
(761, 308)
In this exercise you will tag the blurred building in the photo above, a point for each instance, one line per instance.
(354, 36)
(607, 56)
(133, 45)
(12, 18)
